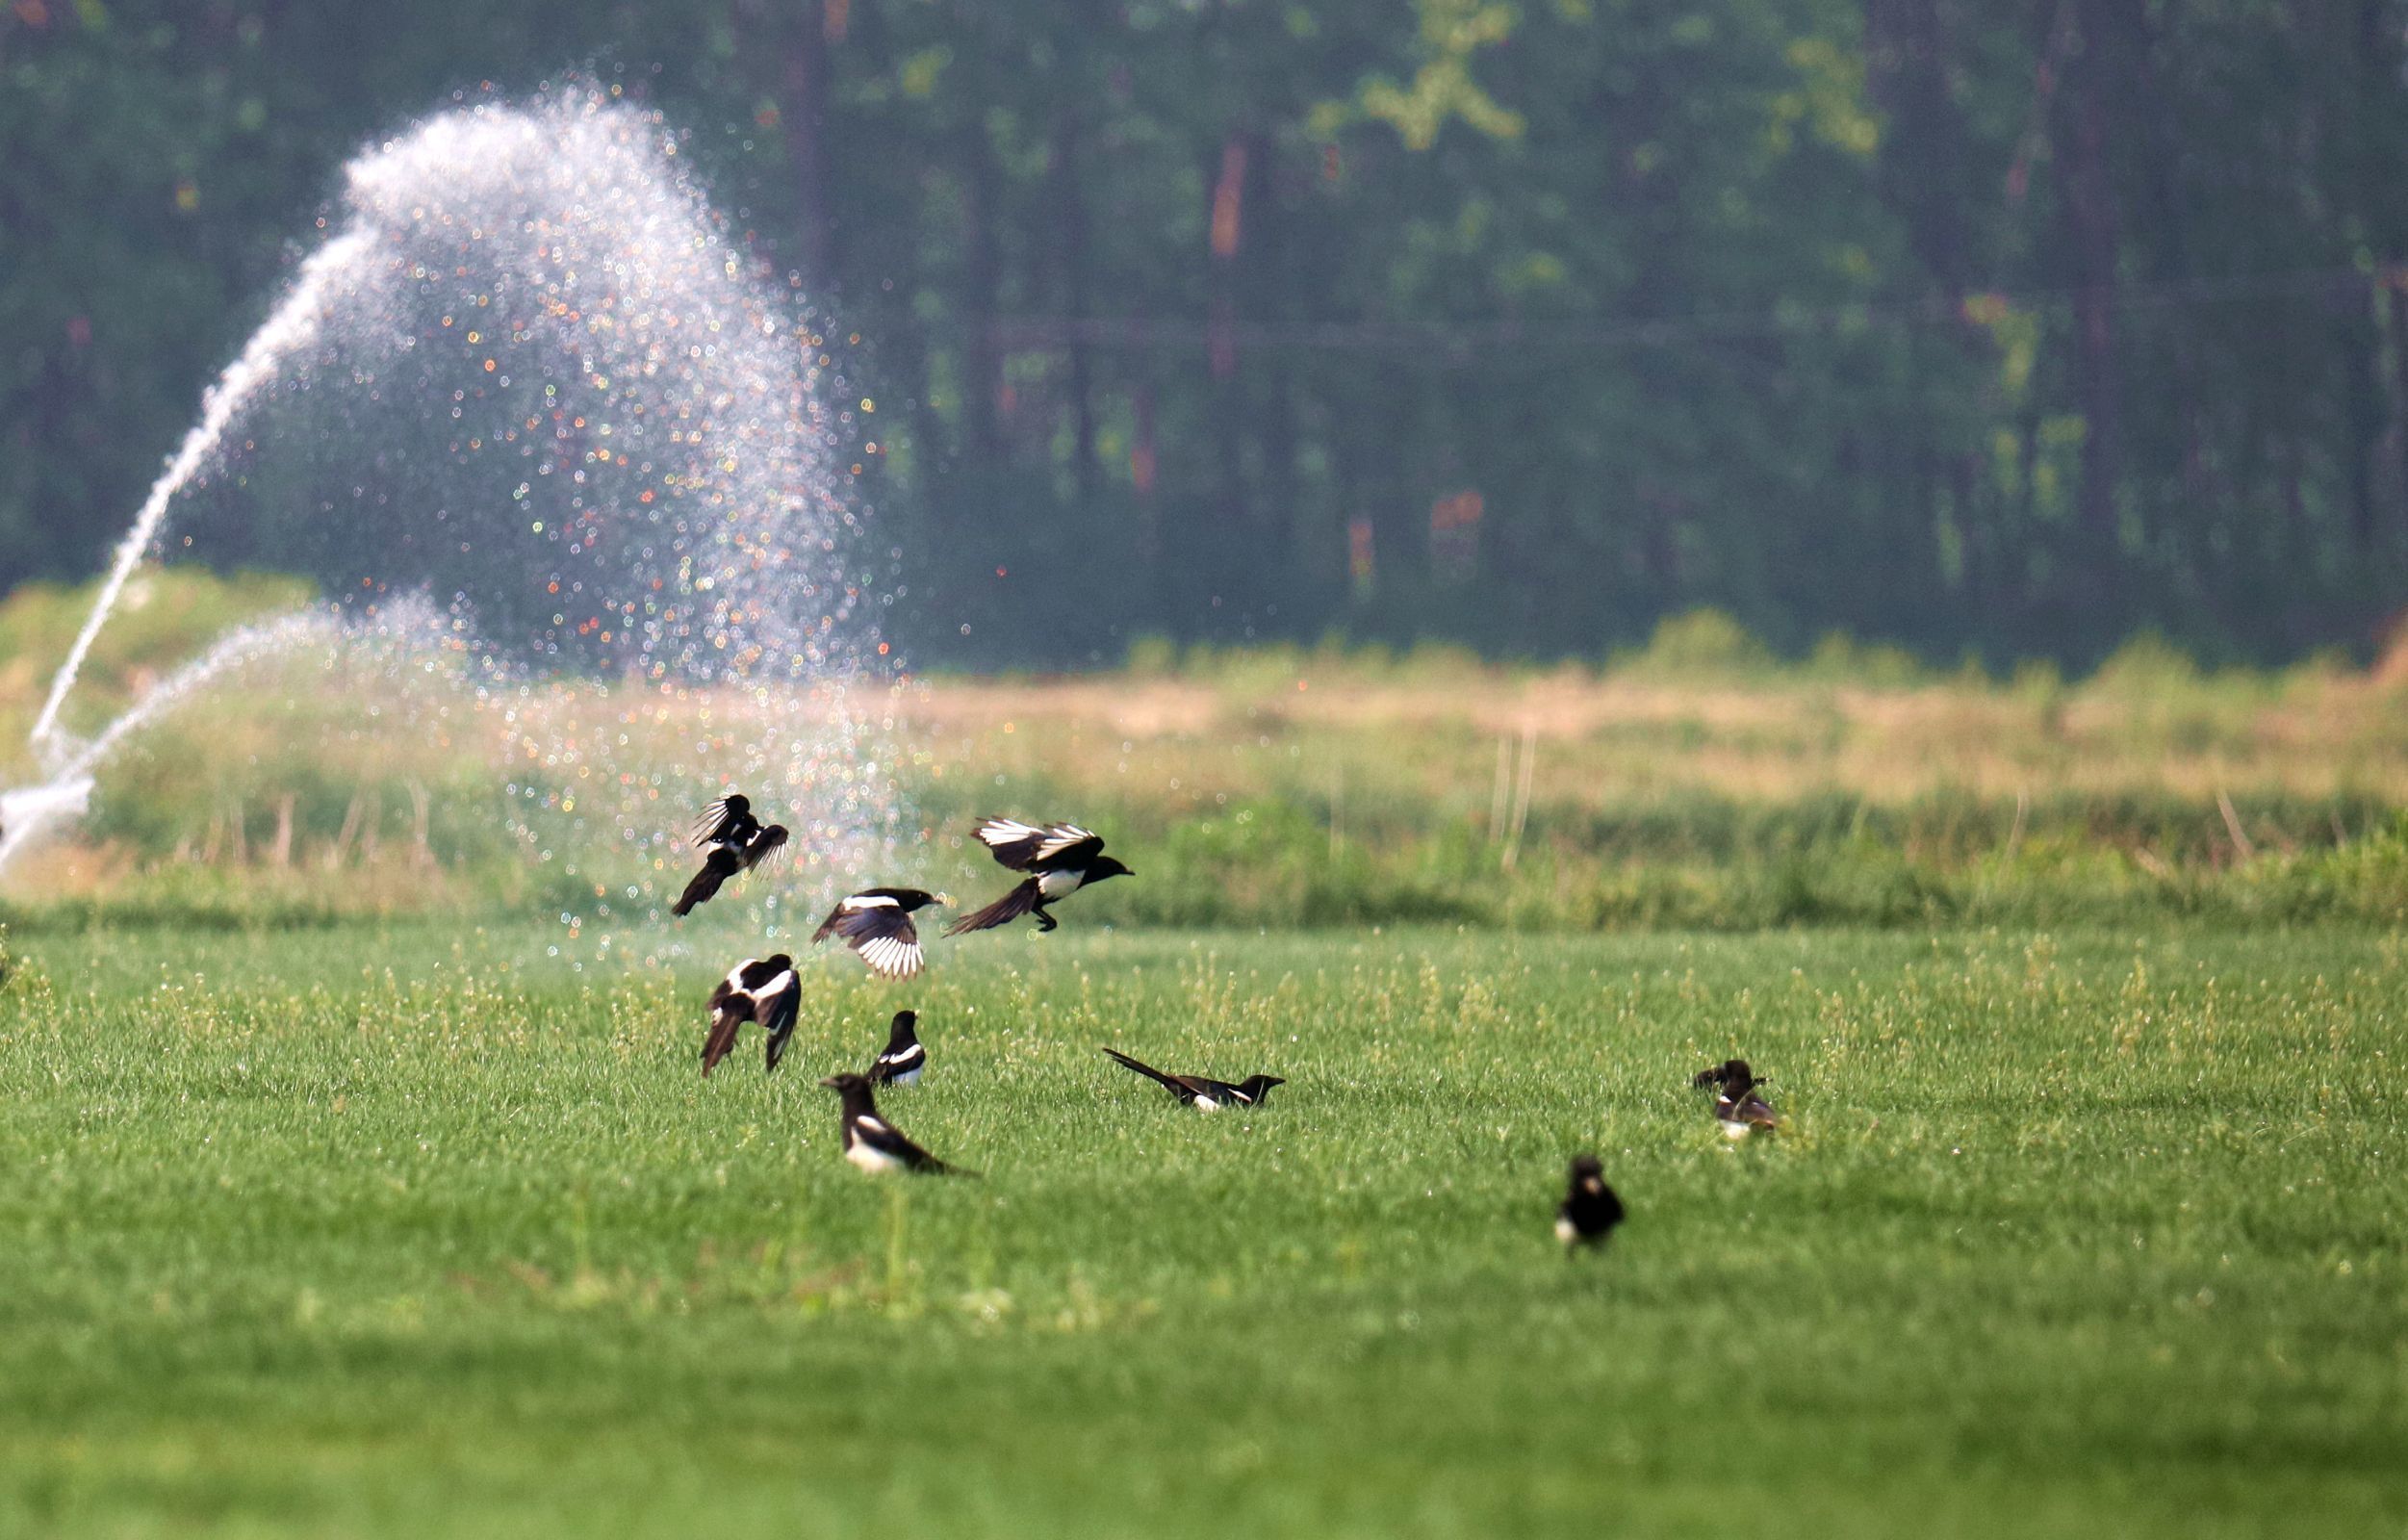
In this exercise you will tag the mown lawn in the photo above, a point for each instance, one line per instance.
(399, 1231)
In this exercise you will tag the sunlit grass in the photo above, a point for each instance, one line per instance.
(420, 1231)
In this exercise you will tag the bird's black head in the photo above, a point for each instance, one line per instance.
(778, 960)
(1105, 866)
(1257, 1086)
(904, 1031)
(1731, 1075)
(737, 803)
(847, 1083)
(908, 899)
(1585, 1167)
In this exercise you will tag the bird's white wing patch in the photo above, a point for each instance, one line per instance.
(891, 958)
(785, 981)
(873, 1123)
(735, 975)
(1061, 838)
(1007, 830)
(861, 901)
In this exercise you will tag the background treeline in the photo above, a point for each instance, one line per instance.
(2003, 328)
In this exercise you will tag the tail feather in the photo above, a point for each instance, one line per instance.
(698, 892)
(1148, 1070)
(1021, 900)
(721, 1040)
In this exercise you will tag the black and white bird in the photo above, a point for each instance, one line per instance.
(724, 859)
(728, 821)
(1060, 859)
(1590, 1211)
(875, 1144)
(762, 990)
(904, 1056)
(1737, 1106)
(1202, 1092)
(876, 922)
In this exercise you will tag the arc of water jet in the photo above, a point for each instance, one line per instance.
(34, 808)
(291, 325)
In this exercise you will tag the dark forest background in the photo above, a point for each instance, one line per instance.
(2010, 328)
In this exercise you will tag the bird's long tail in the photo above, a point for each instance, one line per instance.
(1021, 900)
(721, 1041)
(1148, 1070)
(706, 883)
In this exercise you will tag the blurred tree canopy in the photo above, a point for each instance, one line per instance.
(2006, 328)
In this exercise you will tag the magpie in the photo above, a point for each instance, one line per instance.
(759, 990)
(1590, 1211)
(1202, 1093)
(876, 922)
(875, 1144)
(1737, 1106)
(1060, 859)
(905, 1058)
(728, 821)
(724, 859)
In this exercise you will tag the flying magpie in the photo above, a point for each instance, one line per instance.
(1060, 859)
(1590, 1211)
(724, 859)
(759, 990)
(905, 1058)
(875, 1144)
(1737, 1106)
(1202, 1093)
(876, 922)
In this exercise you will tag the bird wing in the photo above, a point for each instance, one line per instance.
(1754, 1109)
(891, 1064)
(776, 1009)
(720, 822)
(1067, 845)
(1020, 901)
(886, 1137)
(886, 938)
(769, 846)
(1012, 843)
(727, 1015)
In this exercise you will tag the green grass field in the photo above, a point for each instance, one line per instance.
(405, 1231)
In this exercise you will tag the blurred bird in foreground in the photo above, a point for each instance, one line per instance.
(1590, 1211)
(875, 1144)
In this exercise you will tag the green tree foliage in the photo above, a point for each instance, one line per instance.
(2012, 329)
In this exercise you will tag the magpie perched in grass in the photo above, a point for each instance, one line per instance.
(724, 859)
(728, 821)
(876, 922)
(762, 990)
(1590, 1211)
(875, 1144)
(1737, 1106)
(1201, 1092)
(905, 1057)
(1060, 859)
